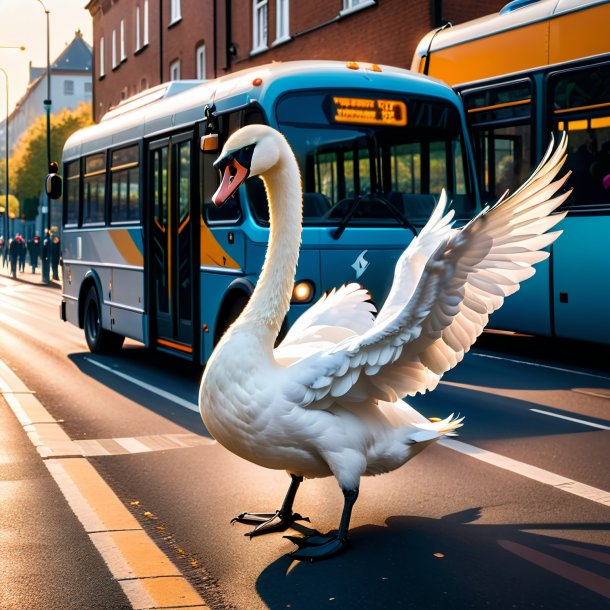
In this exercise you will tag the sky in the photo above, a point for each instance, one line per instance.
(23, 23)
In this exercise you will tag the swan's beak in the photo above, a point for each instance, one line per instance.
(235, 168)
(233, 175)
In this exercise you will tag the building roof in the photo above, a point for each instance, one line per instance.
(77, 56)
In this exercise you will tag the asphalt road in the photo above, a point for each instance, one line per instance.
(482, 523)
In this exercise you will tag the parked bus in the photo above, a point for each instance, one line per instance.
(535, 68)
(147, 256)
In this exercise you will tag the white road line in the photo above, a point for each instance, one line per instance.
(578, 421)
(531, 472)
(151, 388)
(543, 366)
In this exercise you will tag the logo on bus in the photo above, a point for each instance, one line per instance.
(360, 265)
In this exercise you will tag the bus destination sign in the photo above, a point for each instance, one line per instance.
(368, 111)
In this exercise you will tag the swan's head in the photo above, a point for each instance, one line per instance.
(250, 151)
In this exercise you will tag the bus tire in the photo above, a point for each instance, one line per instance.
(99, 340)
(230, 314)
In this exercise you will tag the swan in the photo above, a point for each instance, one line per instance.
(327, 400)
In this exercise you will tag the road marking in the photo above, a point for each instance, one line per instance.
(539, 365)
(147, 576)
(573, 419)
(580, 576)
(151, 388)
(531, 472)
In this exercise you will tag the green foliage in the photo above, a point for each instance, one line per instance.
(28, 165)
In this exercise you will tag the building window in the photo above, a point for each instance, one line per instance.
(68, 87)
(282, 21)
(88, 87)
(200, 61)
(174, 70)
(145, 28)
(102, 65)
(123, 54)
(114, 55)
(174, 14)
(350, 6)
(138, 42)
(259, 25)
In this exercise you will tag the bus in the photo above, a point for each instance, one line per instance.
(147, 256)
(530, 70)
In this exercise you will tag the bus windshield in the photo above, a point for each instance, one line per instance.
(371, 159)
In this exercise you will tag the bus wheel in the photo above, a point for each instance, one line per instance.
(99, 340)
(231, 314)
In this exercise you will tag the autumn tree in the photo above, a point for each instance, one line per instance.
(29, 161)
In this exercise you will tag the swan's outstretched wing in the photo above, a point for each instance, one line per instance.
(462, 281)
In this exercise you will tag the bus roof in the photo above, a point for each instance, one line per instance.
(522, 36)
(160, 109)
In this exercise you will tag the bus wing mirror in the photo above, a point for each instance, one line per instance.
(53, 186)
(209, 142)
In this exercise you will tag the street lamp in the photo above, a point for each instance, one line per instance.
(5, 222)
(47, 106)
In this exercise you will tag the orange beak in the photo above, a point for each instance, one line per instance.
(233, 176)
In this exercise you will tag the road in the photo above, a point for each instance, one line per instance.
(514, 514)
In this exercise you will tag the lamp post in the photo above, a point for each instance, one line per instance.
(5, 223)
(46, 263)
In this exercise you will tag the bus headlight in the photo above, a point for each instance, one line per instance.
(302, 292)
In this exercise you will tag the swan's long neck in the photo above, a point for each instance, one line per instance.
(270, 300)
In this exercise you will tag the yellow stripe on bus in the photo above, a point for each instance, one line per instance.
(126, 247)
(212, 253)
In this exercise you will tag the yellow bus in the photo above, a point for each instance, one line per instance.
(534, 68)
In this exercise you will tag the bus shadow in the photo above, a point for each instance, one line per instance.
(448, 563)
(149, 369)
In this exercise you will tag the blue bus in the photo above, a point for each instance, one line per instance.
(147, 256)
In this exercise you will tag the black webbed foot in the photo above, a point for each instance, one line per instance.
(318, 546)
(268, 522)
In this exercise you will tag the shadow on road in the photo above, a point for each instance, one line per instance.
(448, 563)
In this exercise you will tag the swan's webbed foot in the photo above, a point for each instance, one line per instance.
(318, 546)
(268, 522)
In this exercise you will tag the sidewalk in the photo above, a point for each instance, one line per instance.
(28, 277)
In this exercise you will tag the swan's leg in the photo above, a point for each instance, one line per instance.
(321, 546)
(279, 520)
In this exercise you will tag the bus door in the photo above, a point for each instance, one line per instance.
(172, 244)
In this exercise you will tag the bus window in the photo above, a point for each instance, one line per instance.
(581, 106)
(501, 122)
(125, 185)
(72, 181)
(382, 157)
(94, 189)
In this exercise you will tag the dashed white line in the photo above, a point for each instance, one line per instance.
(572, 419)
(543, 366)
(147, 386)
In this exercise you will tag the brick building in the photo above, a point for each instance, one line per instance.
(141, 43)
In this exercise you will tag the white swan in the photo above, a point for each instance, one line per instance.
(327, 400)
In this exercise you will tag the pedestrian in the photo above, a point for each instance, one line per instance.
(45, 256)
(34, 250)
(55, 256)
(22, 252)
(13, 252)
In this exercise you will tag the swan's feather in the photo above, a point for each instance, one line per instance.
(447, 283)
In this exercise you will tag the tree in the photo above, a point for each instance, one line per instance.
(29, 161)
(13, 205)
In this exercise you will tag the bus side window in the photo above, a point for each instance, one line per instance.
(94, 189)
(72, 188)
(580, 106)
(125, 185)
(501, 122)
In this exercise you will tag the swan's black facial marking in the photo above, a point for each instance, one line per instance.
(235, 168)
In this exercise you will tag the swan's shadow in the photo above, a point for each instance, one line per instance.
(424, 563)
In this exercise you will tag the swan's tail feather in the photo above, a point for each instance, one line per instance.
(435, 429)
